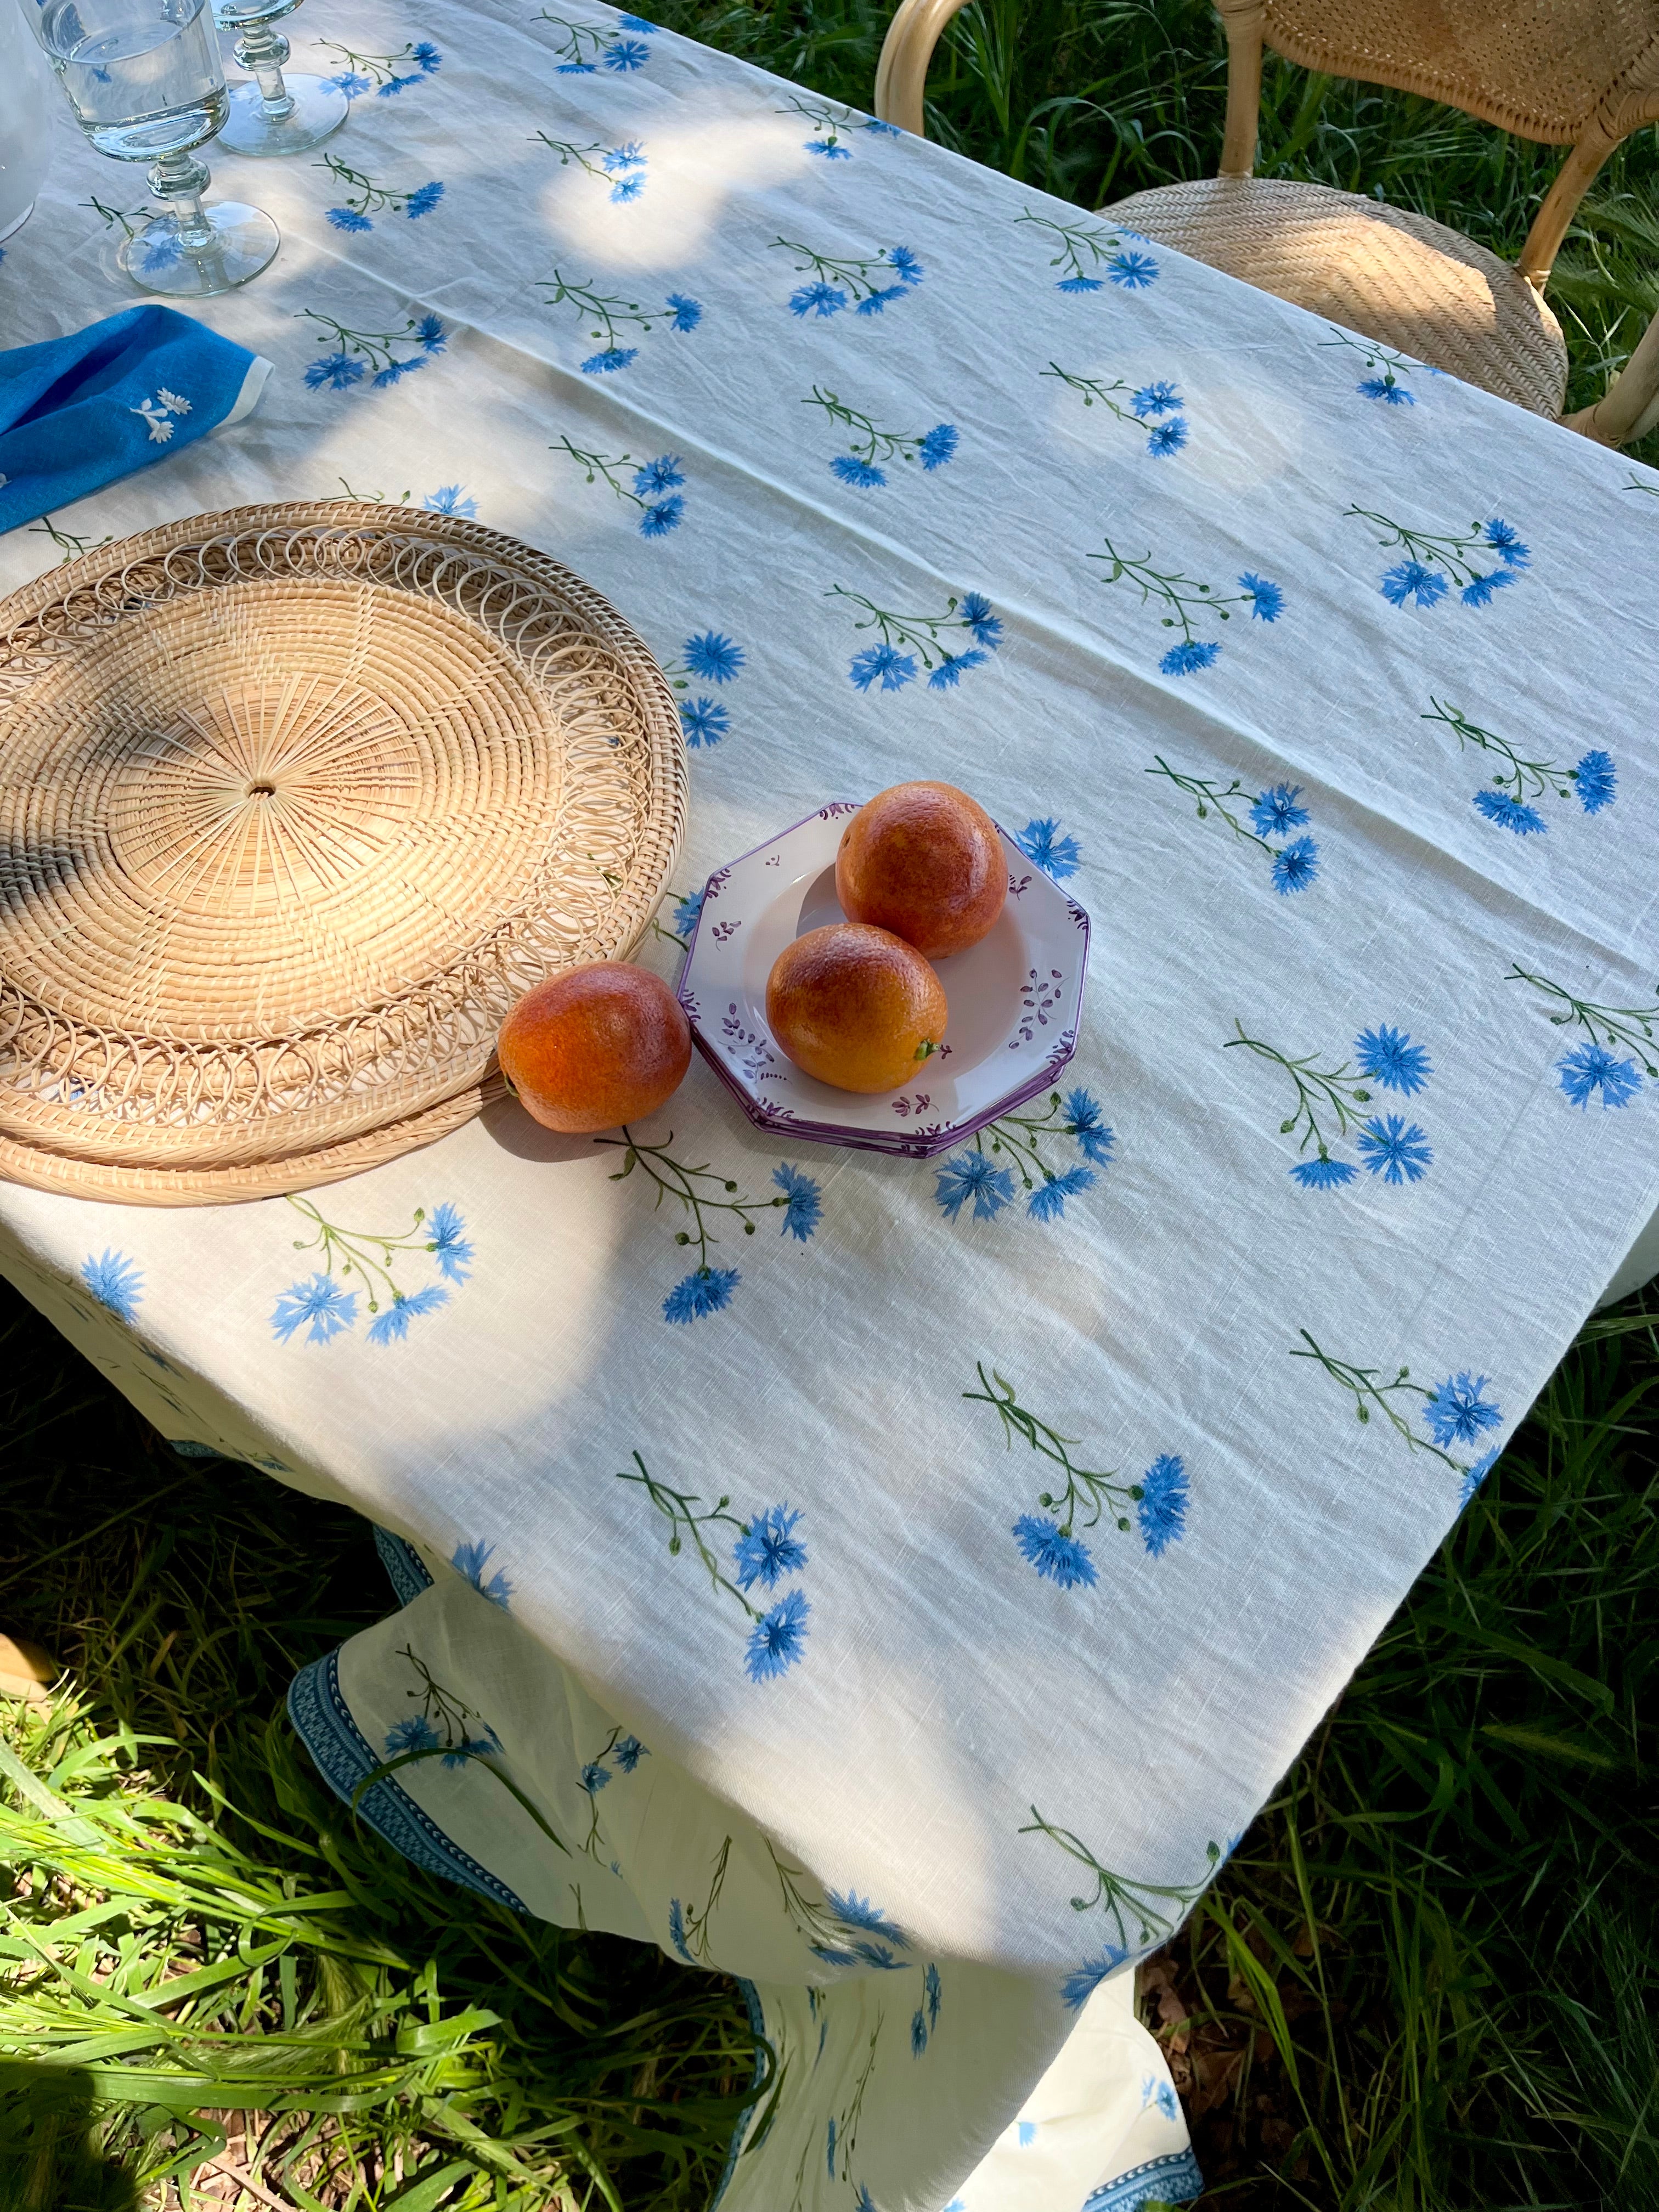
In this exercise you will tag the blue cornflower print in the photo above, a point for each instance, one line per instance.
(878, 303)
(1187, 658)
(971, 1176)
(1063, 1559)
(1295, 866)
(1459, 1411)
(344, 218)
(594, 1776)
(575, 69)
(852, 471)
(1162, 1507)
(1589, 1068)
(1025, 2131)
(636, 23)
(318, 1306)
(1388, 389)
(664, 474)
(427, 55)
(430, 332)
(676, 1932)
(830, 2146)
(716, 659)
(667, 514)
(704, 722)
(802, 1206)
(116, 1282)
(1509, 813)
(1394, 1151)
(450, 498)
(932, 1991)
(1057, 856)
(1597, 781)
(939, 446)
(918, 2032)
(1095, 1140)
(349, 83)
(626, 55)
(817, 299)
(1478, 591)
(1169, 438)
(338, 371)
(769, 1550)
(687, 911)
(422, 200)
(1080, 1984)
(1159, 398)
(1047, 1201)
(775, 1641)
(448, 1241)
(1475, 1475)
(391, 1326)
(986, 627)
(855, 1911)
(627, 188)
(472, 1746)
(831, 148)
(1410, 580)
(1278, 812)
(951, 668)
(1323, 1174)
(905, 265)
(614, 357)
(1078, 284)
(415, 1734)
(1505, 542)
(864, 2202)
(705, 1291)
(882, 663)
(469, 1560)
(629, 1751)
(1389, 1057)
(1266, 601)
(684, 314)
(1134, 270)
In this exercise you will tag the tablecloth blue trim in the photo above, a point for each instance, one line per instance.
(406, 1570)
(752, 1997)
(186, 1450)
(343, 1755)
(1173, 2179)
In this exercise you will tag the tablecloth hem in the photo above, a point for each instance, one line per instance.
(344, 1758)
(406, 1570)
(1174, 2179)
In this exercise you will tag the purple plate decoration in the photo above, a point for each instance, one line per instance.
(1015, 999)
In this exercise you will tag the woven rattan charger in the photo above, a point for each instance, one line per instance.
(295, 802)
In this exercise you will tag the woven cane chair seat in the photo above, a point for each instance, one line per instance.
(1395, 278)
(295, 802)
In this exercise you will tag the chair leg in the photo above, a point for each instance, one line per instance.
(1629, 407)
(901, 71)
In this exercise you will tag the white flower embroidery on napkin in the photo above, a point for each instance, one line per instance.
(156, 412)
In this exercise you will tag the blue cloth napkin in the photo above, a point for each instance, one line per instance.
(77, 412)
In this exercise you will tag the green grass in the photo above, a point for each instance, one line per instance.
(1428, 1980)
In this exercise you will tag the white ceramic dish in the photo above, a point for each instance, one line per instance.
(1015, 999)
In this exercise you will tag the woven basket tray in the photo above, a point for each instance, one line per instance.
(295, 802)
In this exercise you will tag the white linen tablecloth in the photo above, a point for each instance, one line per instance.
(1237, 621)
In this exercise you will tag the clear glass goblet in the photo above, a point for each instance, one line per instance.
(275, 114)
(145, 81)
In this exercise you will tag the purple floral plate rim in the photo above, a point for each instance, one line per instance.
(915, 1145)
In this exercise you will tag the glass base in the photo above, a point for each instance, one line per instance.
(245, 242)
(320, 108)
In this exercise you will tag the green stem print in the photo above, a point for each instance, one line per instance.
(358, 353)
(686, 1525)
(654, 488)
(385, 72)
(674, 1179)
(842, 1928)
(620, 168)
(608, 316)
(70, 547)
(764, 1550)
(872, 282)
(1088, 1493)
(1593, 782)
(1388, 387)
(1016, 1140)
(1186, 598)
(581, 45)
(366, 199)
(1128, 1904)
(852, 2112)
(1635, 483)
(905, 638)
(366, 1261)
(1455, 1411)
(371, 498)
(123, 219)
(1436, 560)
(1082, 251)
(870, 447)
(1334, 1092)
(1608, 1026)
(828, 120)
(1275, 812)
(688, 1930)
(1150, 400)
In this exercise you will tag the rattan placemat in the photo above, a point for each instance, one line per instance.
(295, 802)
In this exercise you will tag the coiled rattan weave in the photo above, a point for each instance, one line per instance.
(295, 802)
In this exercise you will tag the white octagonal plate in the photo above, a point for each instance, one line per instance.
(1015, 999)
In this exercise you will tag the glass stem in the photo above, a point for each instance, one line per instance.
(263, 52)
(180, 179)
